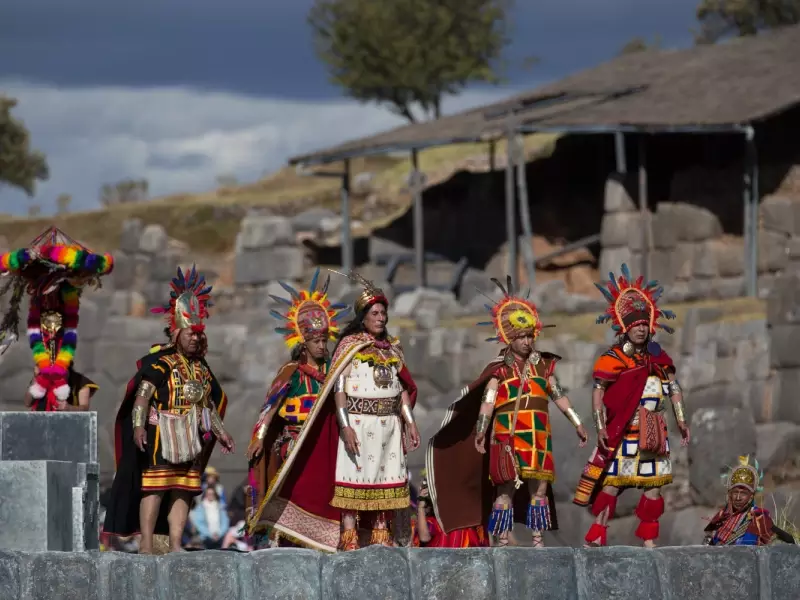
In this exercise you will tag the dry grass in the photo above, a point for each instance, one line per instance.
(210, 220)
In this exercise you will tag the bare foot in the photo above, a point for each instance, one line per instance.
(649, 544)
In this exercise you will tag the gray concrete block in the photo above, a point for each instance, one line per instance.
(66, 576)
(551, 574)
(70, 437)
(200, 575)
(288, 574)
(127, 576)
(9, 575)
(734, 576)
(373, 572)
(36, 508)
(467, 574)
(617, 573)
(782, 572)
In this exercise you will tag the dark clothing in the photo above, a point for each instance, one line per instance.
(76, 381)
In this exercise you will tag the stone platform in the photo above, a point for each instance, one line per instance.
(684, 573)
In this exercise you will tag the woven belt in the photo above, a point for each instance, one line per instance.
(379, 407)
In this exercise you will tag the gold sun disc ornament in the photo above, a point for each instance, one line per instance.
(193, 391)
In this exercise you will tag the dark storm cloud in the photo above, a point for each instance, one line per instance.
(263, 47)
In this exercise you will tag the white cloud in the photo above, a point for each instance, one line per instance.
(179, 139)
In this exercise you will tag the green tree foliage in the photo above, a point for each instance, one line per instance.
(408, 54)
(640, 44)
(19, 165)
(126, 191)
(722, 18)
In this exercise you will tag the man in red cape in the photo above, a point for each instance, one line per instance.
(633, 382)
(309, 501)
(158, 470)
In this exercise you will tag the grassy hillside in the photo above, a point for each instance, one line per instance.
(210, 220)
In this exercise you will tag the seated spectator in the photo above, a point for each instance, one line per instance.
(210, 519)
(211, 479)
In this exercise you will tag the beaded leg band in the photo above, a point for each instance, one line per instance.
(538, 515)
(649, 512)
(502, 519)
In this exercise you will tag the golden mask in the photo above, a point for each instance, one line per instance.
(51, 322)
(187, 311)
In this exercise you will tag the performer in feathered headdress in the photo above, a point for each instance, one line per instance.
(168, 423)
(53, 269)
(505, 411)
(634, 382)
(349, 458)
(741, 522)
(309, 322)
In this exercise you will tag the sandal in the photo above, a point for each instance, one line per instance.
(538, 541)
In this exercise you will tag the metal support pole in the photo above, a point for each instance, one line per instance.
(419, 224)
(525, 210)
(511, 222)
(492, 156)
(619, 152)
(347, 234)
(644, 211)
(751, 205)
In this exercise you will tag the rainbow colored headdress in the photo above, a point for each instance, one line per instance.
(189, 301)
(513, 316)
(53, 269)
(631, 303)
(310, 314)
(746, 474)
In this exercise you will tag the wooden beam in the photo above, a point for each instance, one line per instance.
(417, 183)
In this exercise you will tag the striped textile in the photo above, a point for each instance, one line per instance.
(180, 439)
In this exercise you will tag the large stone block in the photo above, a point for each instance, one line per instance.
(780, 214)
(785, 395)
(666, 226)
(154, 239)
(617, 573)
(373, 572)
(735, 574)
(783, 305)
(256, 267)
(71, 576)
(464, 575)
(699, 223)
(288, 573)
(782, 574)
(612, 258)
(552, 575)
(772, 251)
(264, 231)
(622, 229)
(619, 192)
(127, 576)
(202, 575)
(719, 436)
(36, 508)
(49, 436)
(9, 575)
(131, 235)
(784, 351)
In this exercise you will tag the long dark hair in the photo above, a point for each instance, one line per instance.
(357, 325)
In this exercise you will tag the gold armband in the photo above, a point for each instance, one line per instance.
(408, 414)
(145, 390)
(680, 412)
(483, 424)
(675, 388)
(339, 385)
(139, 416)
(599, 419)
(556, 391)
(573, 417)
(489, 395)
(261, 432)
(599, 384)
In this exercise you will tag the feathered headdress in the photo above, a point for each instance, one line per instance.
(369, 296)
(512, 316)
(53, 269)
(189, 301)
(310, 314)
(631, 303)
(746, 474)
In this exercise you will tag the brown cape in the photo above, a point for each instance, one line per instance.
(458, 475)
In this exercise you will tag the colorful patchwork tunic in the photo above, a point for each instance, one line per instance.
(752, 527)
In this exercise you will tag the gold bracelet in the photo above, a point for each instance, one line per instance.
(573, 417)
(145, 390)
(139, 419)
(489, 395)
(680, 412)
(675, 388)
(261, 432)
(599, 419)
(483, 424)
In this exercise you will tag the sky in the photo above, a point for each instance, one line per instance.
(181, 92)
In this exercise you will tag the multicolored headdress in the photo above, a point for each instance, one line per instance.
(746, 474)
(310, 314)
(631, 303)
(372, 294)
(513, 316)
(189, 301)
(53, 269)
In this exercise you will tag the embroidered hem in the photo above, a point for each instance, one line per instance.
(637, 482)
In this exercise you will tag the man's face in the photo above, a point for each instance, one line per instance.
(638, 333)
(523, 345)
(375, 319)
(317, 348)
(211, 480)
(740, 498)
(190, 341)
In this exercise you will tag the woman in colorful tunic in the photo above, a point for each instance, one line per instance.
(349, 458)
(310, 321)
(741, 522)
(508, 406)
(634, 381)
